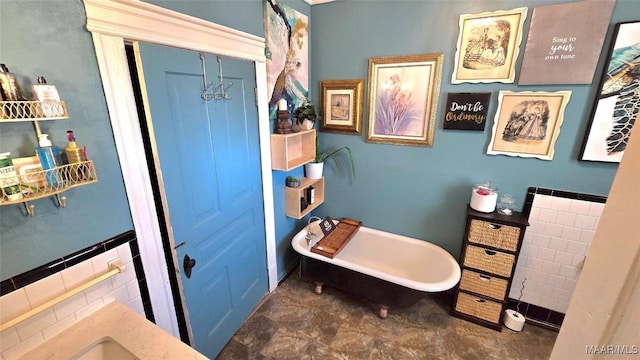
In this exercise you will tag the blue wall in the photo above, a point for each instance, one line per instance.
(420, 192)
(49, 38)
(423, 192)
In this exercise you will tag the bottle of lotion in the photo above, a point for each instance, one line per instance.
(75, 155)
(10, 93)
(311, 195)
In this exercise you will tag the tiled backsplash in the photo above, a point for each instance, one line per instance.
(562, 225)
(73, 271)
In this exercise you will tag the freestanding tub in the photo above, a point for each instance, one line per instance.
(389, 269)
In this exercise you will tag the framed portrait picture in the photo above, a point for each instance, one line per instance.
(341, 106)
(617, 102)
(403, 98)
(527, 123)
(488, 46)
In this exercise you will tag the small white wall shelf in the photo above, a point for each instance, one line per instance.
(292, 197)
(288, 151)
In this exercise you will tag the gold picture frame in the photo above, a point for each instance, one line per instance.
(403, 98)
(488, 46)
(527, 123)
(341, 106)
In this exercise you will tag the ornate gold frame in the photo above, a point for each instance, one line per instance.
(337, 116)
(403, 98)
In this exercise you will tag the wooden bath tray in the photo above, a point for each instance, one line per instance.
(331, 244)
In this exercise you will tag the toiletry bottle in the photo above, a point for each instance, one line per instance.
(75, 155)
(9, 183)
(10, 87)
(311, 195)
(47, 160)
(10, 92)
(49, 98)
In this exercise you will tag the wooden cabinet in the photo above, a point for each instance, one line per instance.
(288, 151)
(488, 259)
(292, 205)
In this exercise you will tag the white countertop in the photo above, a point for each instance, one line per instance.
(116, 321)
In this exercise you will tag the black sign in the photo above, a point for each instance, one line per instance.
(466, 111)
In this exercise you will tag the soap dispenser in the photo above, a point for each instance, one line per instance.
(73, 151)
(47, 159)
(75, 156)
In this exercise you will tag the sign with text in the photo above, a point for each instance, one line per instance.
(327, 226)
(466, 111)
(565, 42)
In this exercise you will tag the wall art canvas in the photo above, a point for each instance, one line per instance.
(466, 111)
(617, 103)
(488, 46)
(287, 49)
(527, 123)
(403, 98)
(564, 42)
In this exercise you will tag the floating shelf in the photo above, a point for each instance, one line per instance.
(44, 183)
(292, 197)
(17, 111)
(288, 151)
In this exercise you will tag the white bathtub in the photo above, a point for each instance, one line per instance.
(403, 261)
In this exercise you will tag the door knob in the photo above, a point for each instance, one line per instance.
(188, 264)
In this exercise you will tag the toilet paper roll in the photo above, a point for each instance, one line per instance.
(483, 203)
(513, 320)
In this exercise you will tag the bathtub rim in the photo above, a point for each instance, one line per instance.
(298, 241)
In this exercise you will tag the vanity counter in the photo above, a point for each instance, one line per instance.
(114, 322)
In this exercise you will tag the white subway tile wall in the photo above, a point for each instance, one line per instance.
(553, 251)
(26, 335)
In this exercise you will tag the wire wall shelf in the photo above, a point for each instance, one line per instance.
(32, 110)
(39, 184)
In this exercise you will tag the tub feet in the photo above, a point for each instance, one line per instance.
(318, 289)
(383, 311)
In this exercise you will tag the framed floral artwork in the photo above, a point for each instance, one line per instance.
(527, 123)
(403, 98)
(617, 103)
(488, 46)
(341, 106)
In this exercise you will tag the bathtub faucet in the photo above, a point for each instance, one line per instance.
(310, 234)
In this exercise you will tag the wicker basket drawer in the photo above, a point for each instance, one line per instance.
(482, 284)
(481, 308)
(495, 235)
(494, 262)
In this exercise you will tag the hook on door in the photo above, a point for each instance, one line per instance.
(220, 92)
(188, 264)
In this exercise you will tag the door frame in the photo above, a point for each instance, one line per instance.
(111, 23)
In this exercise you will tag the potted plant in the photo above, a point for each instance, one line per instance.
(314, 169)
(305, 115)
(292, 181)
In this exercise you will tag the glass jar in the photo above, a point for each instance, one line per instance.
(506, 205)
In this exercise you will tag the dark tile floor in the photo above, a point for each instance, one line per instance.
(295, 323)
